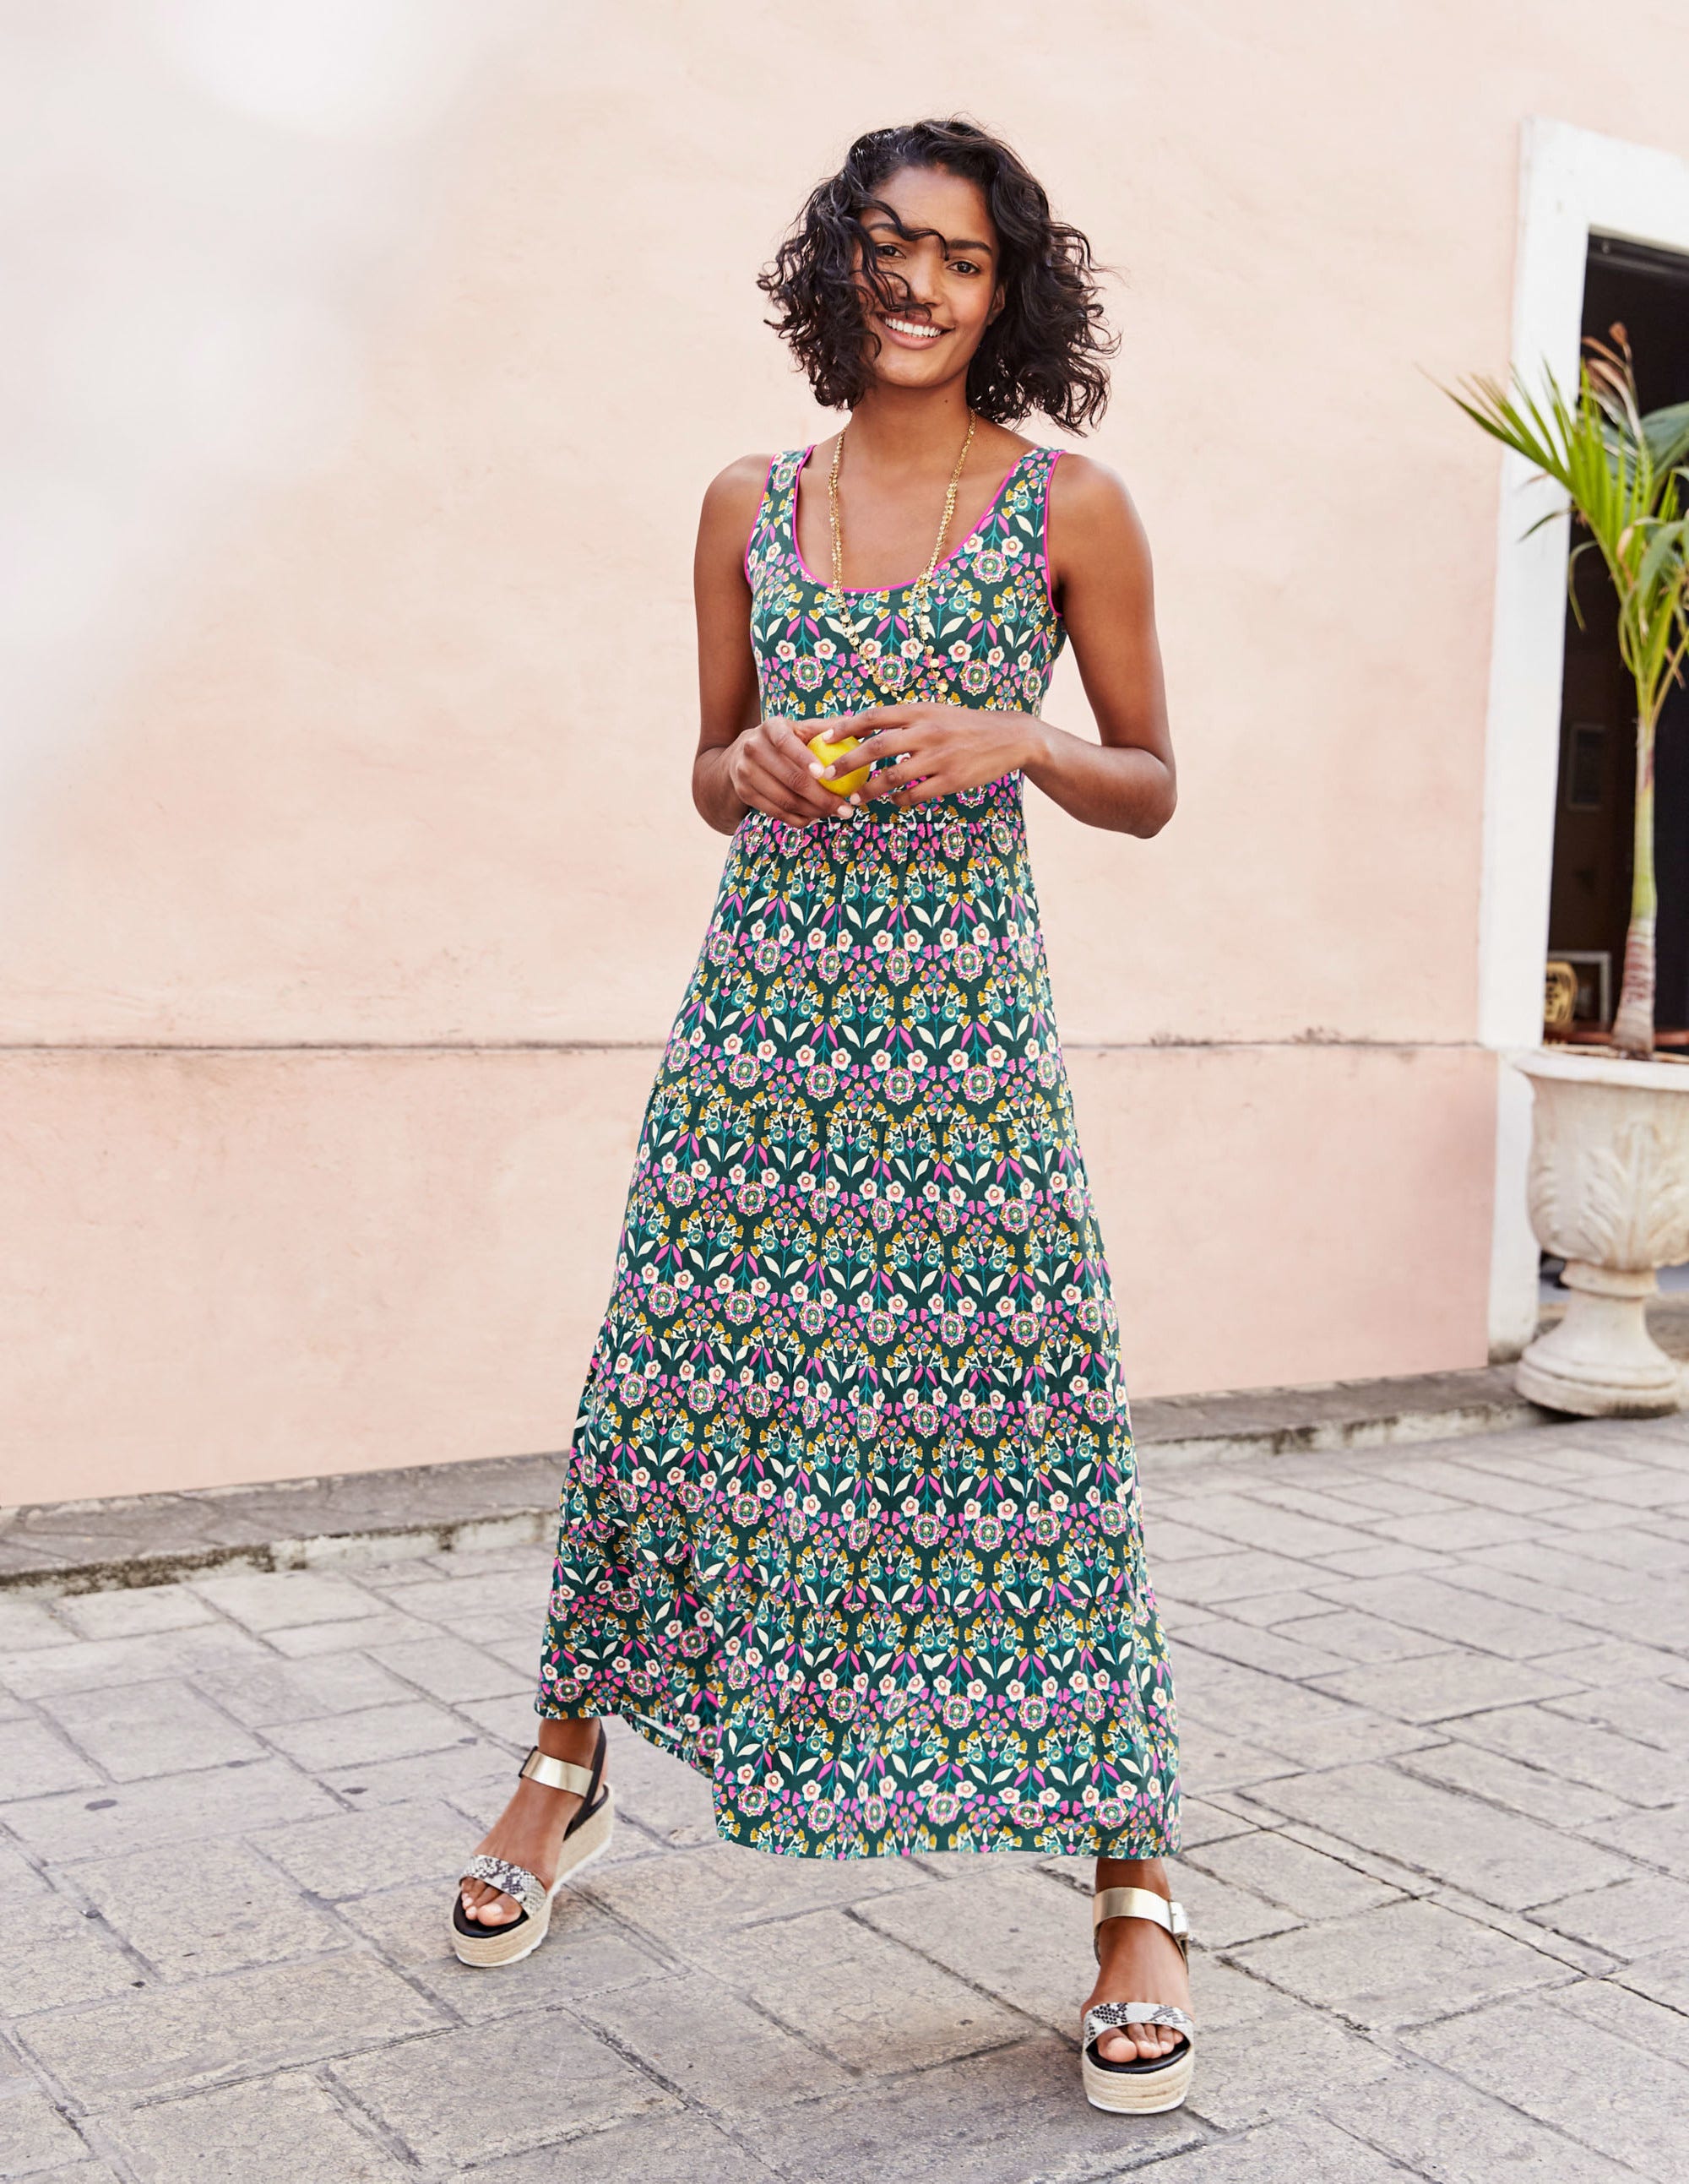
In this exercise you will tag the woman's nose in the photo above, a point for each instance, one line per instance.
(922, 274)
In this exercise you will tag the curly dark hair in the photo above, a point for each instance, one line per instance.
(1045, 349)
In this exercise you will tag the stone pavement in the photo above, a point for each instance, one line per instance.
(1436, 1719)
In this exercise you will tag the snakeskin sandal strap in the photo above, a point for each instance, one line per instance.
(1111, 2016)
(512, 1880)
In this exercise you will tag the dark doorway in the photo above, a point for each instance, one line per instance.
(1646, 291)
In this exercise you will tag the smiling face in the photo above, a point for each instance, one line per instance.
(943, 266)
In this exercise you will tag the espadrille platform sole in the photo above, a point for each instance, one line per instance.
(1139, 2088)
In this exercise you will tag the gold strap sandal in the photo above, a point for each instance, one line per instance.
(585, 1837)
(1138, 2088)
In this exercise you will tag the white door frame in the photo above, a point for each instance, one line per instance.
(1572, 182)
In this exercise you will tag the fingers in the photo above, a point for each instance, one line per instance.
(923, 733)
(888, 743)
(792, 768)
(777, 775)
(875, 718)
(891, 779)
(782, 776)
(769, 799)
(766, 792)
(777, 799)
(888, 730)
(906, 785)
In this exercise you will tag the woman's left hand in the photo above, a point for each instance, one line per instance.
(938, 750)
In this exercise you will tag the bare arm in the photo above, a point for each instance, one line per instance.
(744, 762)
(1106, 588)
(1103, 581)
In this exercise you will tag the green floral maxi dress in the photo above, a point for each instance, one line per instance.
(852, 1519)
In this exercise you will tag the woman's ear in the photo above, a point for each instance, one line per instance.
(998, 301)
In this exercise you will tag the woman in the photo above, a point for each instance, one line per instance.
(851, 1522)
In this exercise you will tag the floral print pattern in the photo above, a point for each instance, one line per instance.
(851, 1518)
(995, 636)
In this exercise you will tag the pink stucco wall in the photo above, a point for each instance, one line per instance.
(335, 961)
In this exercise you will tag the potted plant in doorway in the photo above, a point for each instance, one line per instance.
(1610, 1160)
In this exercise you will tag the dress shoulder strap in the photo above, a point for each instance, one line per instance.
(1040, 468)
(1041, 463)
(770, 532)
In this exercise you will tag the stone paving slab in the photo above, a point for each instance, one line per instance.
(1437, 1856)
(299, 2130)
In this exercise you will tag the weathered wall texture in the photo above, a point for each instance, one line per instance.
(338, 961)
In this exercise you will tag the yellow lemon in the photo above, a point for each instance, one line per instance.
(842, 785)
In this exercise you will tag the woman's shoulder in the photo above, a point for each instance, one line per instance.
(741, 481)
(745, 479)
(1085, 482)
(1091, 501)
(733, 497)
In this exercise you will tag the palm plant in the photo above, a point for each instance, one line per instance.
(1622, 473)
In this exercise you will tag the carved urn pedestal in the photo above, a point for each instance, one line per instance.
(1609, 1194)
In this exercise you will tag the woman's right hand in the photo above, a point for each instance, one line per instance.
(773, 769)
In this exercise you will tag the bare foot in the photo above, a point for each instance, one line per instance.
(1142, 1962)
(529, 1832)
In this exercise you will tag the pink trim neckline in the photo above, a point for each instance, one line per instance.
(885, 591)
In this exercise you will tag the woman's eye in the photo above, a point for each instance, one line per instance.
(964, 265)
(889, 250)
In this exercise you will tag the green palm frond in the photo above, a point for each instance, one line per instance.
(1625, 476)
(1619, 471)
(1667, 433)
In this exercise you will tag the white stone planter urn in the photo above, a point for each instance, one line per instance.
(1609, 1194)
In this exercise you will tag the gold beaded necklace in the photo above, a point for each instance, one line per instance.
(863, 644)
